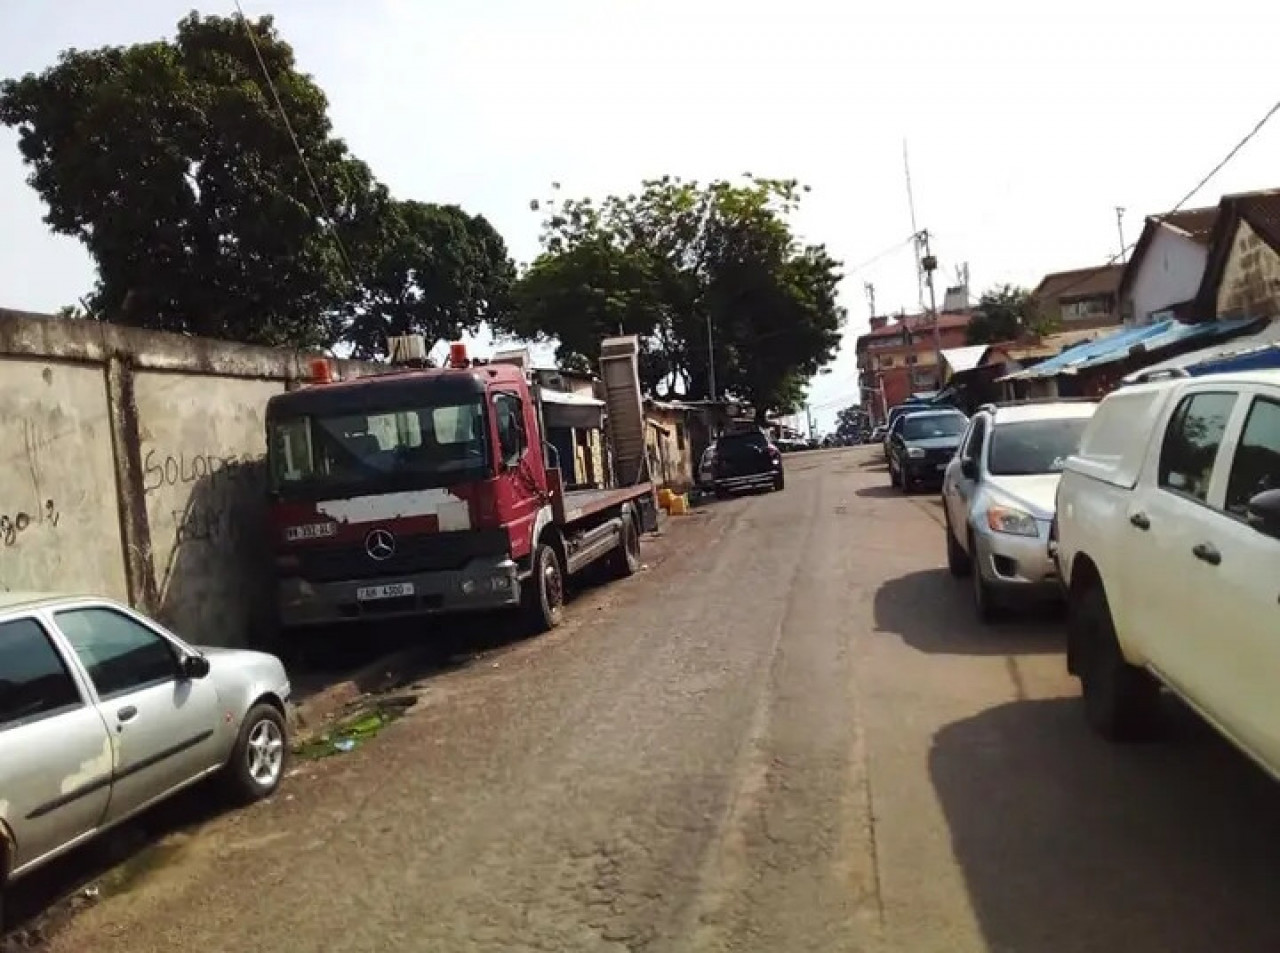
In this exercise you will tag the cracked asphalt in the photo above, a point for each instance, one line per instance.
(788, 735)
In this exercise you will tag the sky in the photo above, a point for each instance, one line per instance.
(1027, 123)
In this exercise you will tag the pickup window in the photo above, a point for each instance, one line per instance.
(1192, 441)
(1256, 466)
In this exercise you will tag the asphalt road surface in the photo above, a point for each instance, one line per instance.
(789, 734)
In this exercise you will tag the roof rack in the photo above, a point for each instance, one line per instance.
(1032, 401)
(1159, 374)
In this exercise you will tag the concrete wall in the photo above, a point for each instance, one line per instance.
(1170, 274)
(133, 468)
(1250, 285)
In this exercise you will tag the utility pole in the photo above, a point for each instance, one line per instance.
(711, 358)
(911, 204)
(929, 264)
(1120, 227)
(871, 296)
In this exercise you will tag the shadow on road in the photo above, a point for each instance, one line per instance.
(934, 613)
(1070, 844)
(881, 491)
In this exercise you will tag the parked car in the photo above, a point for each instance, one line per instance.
(998, 499)
(1168, 542)
(921, 443)
(877, 434)
(746, 460)
(104, 713)
(706, 472)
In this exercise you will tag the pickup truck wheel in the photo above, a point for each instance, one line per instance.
(543, 594)
(958, 562)
(258, 761)
(1121, 701)
(625, 560)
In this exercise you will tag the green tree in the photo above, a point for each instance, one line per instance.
(1006, 313)
(432, 270)
(674, 259)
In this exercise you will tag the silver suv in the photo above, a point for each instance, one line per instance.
(998, 499)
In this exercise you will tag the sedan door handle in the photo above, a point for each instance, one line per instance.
(127, 714)
(1207, 552)
(1140, 520)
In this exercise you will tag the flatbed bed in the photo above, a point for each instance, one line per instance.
(579, 504)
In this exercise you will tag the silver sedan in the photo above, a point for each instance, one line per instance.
(998, 496)
(104, 713)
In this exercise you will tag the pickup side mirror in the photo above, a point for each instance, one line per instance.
(1264, 512)
(969, 468)
(194, 667)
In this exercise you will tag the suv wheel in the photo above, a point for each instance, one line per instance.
(958, 562)
(1121, 701)
(984, 598)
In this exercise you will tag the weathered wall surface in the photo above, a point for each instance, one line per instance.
(204, 482)
(131, 465)
(1250, 285)
(59, 522)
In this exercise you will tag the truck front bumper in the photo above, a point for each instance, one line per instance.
(484, 583)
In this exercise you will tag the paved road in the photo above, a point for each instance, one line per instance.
(788, 736)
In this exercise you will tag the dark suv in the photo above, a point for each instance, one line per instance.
(745, 460)
(921, 446)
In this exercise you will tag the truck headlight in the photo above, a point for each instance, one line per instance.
(1012, 521)
(915, 453)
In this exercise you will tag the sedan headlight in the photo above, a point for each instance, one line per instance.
(915, 453)
(1014, 522)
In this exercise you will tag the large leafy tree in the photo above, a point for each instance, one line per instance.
(203, 177)
(682, 264)
(1006, 313)
(433, 270)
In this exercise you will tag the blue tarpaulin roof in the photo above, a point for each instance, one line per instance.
(1257, 350)
(1118, 343)
(1117, 347)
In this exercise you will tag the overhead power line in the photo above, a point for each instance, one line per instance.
(293, 137)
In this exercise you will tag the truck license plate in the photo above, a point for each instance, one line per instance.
(391, 590)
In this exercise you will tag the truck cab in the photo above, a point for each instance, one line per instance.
(427, 491)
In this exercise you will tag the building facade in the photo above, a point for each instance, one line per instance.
(897, 357)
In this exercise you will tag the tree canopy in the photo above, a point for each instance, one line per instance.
(673, 261)
(1006, 313)
(172, 163)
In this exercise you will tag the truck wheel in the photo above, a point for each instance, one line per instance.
(543, 596)
(260, 756)
(625, 560)
(779, 482)
(1121, 701)
(958, 562)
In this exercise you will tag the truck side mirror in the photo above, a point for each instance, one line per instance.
(969, 468)
(1264, 512)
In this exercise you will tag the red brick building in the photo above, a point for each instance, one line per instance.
(896, 358)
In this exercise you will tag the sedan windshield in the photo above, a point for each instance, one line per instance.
(1034, 446)
(929, 426)
(420, 446)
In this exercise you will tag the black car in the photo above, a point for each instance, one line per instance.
(922, 444)
(745, 460)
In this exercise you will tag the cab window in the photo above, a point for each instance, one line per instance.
(1256, 465)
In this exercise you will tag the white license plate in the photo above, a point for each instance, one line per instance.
(391, 590)
(311, 531)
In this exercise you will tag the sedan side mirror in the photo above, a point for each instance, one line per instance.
(195, 666)
(969, 468)
(1264, 512)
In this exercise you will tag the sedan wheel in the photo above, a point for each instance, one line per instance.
(257, 764)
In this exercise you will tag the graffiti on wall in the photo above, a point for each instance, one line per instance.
(14, 525)
(225, 492)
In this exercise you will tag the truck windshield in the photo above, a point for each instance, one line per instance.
(1034, 446)
(383, 449)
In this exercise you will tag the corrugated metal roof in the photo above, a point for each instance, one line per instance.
(1173, 332)
(1118, 342)
(566, 398)
(1248, 349)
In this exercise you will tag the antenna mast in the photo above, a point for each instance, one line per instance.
(911, 204)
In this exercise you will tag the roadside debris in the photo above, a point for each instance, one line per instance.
(370, 716)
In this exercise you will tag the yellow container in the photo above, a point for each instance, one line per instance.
(679, 506)
(665, 496)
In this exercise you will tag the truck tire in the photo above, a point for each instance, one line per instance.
(625, 560)
(1121, 701)
(543, 596)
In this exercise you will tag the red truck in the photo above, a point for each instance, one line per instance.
(430, 491)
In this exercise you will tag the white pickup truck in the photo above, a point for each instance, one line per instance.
(1168, 543)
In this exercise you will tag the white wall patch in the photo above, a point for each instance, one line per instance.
(452, 512)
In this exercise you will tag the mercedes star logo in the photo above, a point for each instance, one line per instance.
(380, 545)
